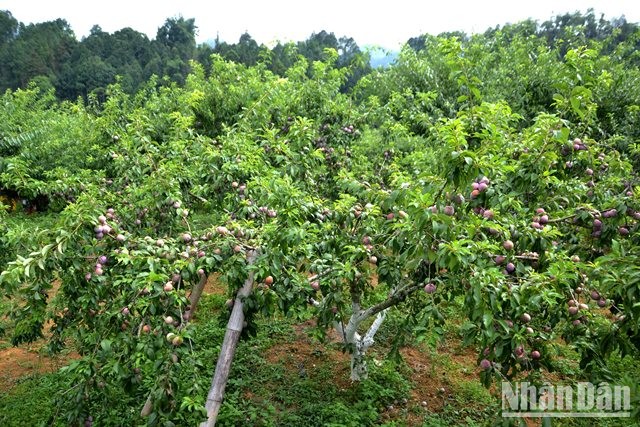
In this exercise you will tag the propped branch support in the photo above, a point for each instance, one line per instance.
(228, 349)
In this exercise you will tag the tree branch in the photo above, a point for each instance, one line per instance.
(367, 341)
(391, 301)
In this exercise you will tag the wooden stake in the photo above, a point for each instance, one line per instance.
(228, 349)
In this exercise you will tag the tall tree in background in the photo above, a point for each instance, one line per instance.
(176, 43)
(246, 51)
(8, 32)
(313, 48)
(36, 50)
(8, 27)
(351, 56)
(49, 55)
(130, 53)
(282, 57)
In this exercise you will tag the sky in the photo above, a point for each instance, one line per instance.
(387, 24)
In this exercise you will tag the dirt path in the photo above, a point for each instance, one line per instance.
(26, 360)
(19, 362)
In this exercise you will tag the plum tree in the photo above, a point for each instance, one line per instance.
(356, 225)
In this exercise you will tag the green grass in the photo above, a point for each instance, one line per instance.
(29, 403)
(283, 377)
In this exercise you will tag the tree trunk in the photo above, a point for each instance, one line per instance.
(228, 349)
(349, 333)
(196, 293)
(359, 369)
(360, 344)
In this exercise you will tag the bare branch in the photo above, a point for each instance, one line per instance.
(391, 301)
(368, 337)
